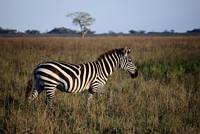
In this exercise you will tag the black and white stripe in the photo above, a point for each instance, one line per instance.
(91, 76)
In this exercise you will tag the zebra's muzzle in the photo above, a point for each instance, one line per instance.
(134, 75)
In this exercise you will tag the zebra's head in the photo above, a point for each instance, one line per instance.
(126, 62)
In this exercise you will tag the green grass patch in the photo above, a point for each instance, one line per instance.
(167, 69)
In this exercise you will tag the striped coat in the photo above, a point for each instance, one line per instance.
(70, 78)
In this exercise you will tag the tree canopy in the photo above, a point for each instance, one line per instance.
(82, 19)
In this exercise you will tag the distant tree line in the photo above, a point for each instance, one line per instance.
(70, 32)
(55, 31)
(7, 31)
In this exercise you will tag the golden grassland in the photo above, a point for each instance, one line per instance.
(163, 99)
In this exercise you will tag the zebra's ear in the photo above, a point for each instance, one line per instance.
(126, 51)
(129, 50)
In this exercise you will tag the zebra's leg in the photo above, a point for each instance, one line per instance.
(89, 98)
(50, 92)
(91, 94)
(38, 88)
(99, 90)
(34, 94)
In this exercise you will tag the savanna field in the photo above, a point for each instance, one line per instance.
(163, 99)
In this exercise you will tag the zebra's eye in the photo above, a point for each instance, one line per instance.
(129, 60)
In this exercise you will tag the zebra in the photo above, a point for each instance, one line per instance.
(71, 78)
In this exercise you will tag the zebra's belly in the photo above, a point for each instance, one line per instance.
(79, 87)
(60, 86)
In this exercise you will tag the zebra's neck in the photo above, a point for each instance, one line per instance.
(108, 63)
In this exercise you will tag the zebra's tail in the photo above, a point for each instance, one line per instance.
(29, 88)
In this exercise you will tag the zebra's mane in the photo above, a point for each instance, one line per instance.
(118, 51)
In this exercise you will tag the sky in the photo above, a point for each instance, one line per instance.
(110, 15)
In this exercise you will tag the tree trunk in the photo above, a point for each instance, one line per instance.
(83, 33)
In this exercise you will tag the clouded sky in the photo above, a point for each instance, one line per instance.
(115, 15)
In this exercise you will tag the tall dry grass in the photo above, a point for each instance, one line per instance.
(165, 98)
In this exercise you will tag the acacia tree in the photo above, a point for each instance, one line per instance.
(83, 20)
